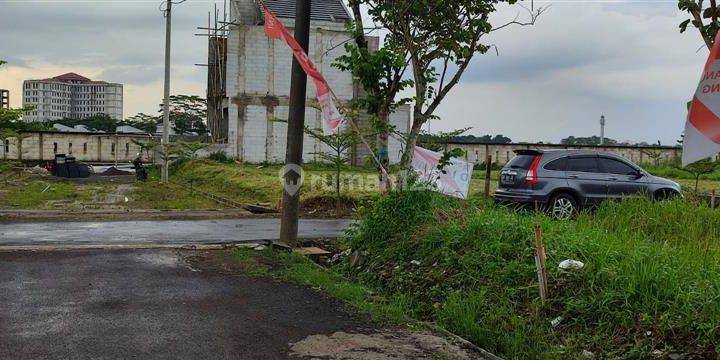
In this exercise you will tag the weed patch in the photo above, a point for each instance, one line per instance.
(650, 284)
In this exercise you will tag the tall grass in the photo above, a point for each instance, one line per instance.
(651, 281)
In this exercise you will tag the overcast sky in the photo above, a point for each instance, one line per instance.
(624, 59)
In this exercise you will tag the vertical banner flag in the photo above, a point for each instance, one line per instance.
(455, 181)
(702, 129)
(332, 118)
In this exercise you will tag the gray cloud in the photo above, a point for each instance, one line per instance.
(582, 60)
(626, 60)
(102, 33)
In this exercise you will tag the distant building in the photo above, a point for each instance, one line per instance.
(71, 96)
(249, 81)
(4, 99)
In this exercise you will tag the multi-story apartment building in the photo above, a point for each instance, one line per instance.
(71, 96)
(4, 99)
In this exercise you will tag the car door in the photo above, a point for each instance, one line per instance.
(623, 179)
(584, 175)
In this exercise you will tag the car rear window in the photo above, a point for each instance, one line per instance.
(521, 161)
(557, 164)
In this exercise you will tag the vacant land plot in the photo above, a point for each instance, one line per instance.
(241, 183)
(649, 286)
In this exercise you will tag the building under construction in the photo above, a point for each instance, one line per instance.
(249, 79)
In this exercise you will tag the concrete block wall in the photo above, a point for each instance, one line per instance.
(255, 131)
(84, 147)
(502, 153)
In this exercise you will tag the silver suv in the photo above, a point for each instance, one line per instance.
(564, 181)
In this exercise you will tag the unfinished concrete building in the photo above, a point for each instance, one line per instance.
(255, 71)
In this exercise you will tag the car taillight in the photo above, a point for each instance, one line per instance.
(532, 175)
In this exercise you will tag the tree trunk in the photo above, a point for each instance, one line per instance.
(337, 190)
(383, 152)
(407, 156)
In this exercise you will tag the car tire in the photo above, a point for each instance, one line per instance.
(563, 206)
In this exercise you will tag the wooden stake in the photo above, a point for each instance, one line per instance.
(712, 199)
(488, 170)
(540, 262)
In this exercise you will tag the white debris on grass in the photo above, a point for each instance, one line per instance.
(556, 321)
(571, 265)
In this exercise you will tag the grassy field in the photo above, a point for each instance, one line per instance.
(650, 285)
(244, 183)
(27, 191)
(649, 288)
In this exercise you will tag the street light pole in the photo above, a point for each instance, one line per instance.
(295, 130)
(166, 97)
(602, 129)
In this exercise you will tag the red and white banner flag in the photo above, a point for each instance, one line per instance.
(702, 130)
(453, 180)
(332, 118)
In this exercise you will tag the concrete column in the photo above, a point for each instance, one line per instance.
(40, 147)
(99, 149)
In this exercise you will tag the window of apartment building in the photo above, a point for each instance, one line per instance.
(127, 149)
(69, 148)
(84, 148)
(7, 146)
(54, 148)
(112, 149)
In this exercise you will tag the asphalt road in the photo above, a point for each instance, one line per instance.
(148, 304)
(160, 232)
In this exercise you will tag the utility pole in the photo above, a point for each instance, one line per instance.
(295, 129)
(602, 129)
(166, 98)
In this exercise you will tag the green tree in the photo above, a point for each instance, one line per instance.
(439, 40)
(655, 155)
(188, 113)
(340, 145)
(699, 168)
(381, 74)
(590, 140)
(703, 16)
(439, 141)
(144, 122)
(96, 122)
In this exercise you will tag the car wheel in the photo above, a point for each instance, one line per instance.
(563, 206)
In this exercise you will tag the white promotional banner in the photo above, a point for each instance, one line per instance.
(454, 181)
(702, 130)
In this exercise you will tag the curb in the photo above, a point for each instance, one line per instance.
(59, 247)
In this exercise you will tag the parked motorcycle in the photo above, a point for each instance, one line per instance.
(140, 172)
